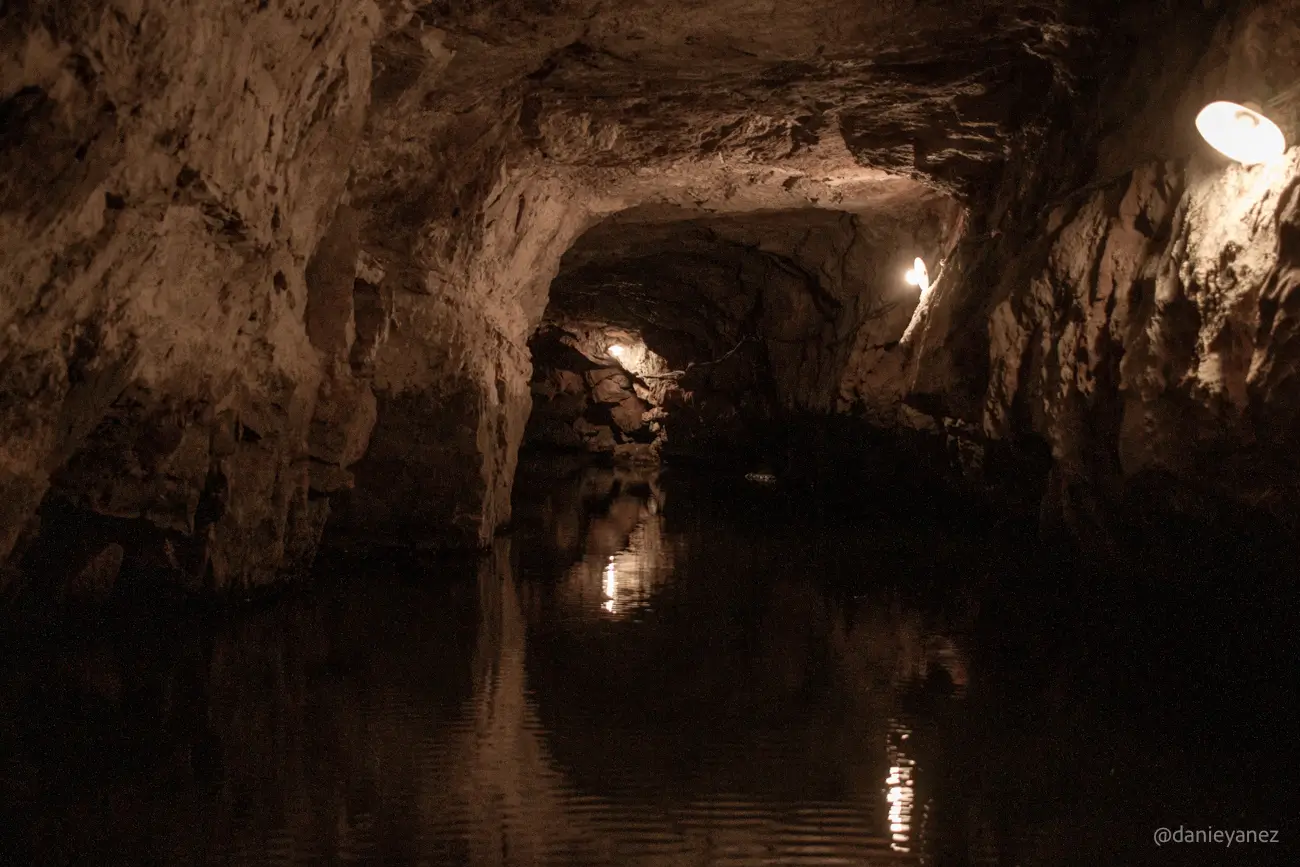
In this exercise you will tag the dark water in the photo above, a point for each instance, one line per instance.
(673, 671)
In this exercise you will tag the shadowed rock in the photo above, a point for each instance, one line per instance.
(273, 264)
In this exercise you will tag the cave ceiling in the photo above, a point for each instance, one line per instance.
(722, 105)
(652, 269)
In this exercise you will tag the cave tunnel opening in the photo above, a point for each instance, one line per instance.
(717, 339)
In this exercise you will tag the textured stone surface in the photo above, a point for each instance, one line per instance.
(500, 132)
(169, 169)
(579, 403)
(1141, 327)
(272, 264)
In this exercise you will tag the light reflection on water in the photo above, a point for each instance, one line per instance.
(626, 555)
(900, 792)
(785, 777)
(633, 679)
(608, 688)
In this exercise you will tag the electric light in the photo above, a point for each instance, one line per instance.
(1240, 132)
(918, 276)
(616, 350)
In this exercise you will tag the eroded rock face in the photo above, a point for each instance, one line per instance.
(169, 172)
(1143, 333)
(598, 389)
(1170, 355)
(500, 132)
(271, 265)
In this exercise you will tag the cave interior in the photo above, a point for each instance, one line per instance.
(952, 293)
(266, 296)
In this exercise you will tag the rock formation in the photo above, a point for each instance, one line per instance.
(275, 266)
(598, 389)
(171, 177)
(1135, 319)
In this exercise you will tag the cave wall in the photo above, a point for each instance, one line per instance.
(452, 375)
(268, 265)
(1140, 319)
(181, 354)
(170, 169)
(587, 397)
(499, 132)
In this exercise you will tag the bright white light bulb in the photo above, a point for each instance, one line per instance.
(1240, 133)
(616, 350)
(918, 276)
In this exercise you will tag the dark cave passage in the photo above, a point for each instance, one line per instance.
(497, 433)
(691, 337)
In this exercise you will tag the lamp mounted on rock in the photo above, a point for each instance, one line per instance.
(919, 275)
(617, 350)
(1242, 132)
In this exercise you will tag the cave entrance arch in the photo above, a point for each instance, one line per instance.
(675, 332)
(816, 255)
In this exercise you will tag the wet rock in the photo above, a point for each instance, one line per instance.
(331, 277)
(596, 438)
(569, 382)
(572, 402)
(614, 375)
(372, 309)
(544, 389)
(1137, 323)
(157, 210)
(344, 418)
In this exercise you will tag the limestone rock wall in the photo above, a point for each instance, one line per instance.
(1154, 347)
(268, 265)
(499, 132)
(169, 172)
(452, 373)
(1142, 324)
(589, 396)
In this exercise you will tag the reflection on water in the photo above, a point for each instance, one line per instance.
(901, 791)
(699, 708)
(625, 556)
(645, 674)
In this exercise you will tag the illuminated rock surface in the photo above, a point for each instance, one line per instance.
(271, 269)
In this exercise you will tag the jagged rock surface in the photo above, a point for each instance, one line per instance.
(169, 171)
(207, 357)
(587, 396)
(500, 132)
(1140, 325)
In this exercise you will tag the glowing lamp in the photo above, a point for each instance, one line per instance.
(616, 350)
(918, 276)
(1240, 132)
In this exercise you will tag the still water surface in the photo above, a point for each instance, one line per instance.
(659, 670)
